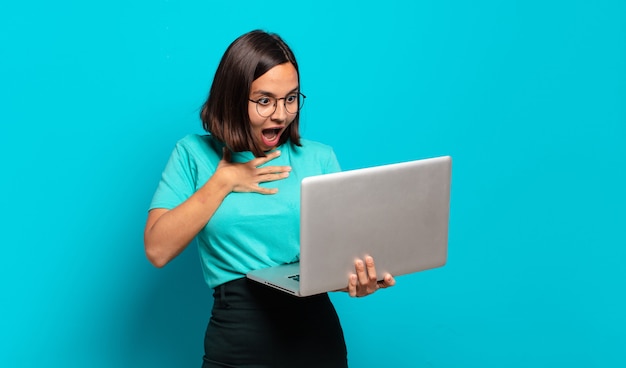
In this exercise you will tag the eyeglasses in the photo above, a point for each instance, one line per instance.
(266, 106)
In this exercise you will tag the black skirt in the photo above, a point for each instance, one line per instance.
(253, 325)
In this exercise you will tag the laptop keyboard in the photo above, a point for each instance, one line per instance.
(295, 277)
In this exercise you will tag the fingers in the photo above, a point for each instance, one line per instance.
(387, 281)
(371, 269)
(365, 282)
(366, 271)
(263, 160)
(361, 272)
(352, 285)
(273, 173)
(274, 170)
(272, 176)
(256, 162)
(269, 173)
(247, 176)
(270, 169)
(262, 190)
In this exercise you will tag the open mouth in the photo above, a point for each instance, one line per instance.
(271, 136)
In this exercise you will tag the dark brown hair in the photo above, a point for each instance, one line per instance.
(225, 113)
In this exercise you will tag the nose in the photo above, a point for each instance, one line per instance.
(280, 114)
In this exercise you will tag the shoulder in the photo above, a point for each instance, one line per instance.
(196, 151)
(316, 154)
(199, 142)
(197, 146)
(312, 146)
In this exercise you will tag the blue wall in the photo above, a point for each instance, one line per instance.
(529, 97)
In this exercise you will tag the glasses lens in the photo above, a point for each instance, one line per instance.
(266, 106)
(293, 103)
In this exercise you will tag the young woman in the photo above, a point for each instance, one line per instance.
(236, 190)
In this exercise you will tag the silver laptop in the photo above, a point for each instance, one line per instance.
(396, 213)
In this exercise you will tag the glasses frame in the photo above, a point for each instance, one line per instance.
(276, 104)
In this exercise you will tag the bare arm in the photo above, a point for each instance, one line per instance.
(168, 232)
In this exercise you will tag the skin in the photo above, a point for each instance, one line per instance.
(277, 82)
(168, 232)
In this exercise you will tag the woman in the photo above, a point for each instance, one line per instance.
(237, 190)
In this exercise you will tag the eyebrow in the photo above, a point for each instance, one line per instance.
(270, 94)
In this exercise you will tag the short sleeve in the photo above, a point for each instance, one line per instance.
(177, 181)
(332, 164)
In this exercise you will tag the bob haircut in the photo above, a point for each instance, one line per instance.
(225, 113)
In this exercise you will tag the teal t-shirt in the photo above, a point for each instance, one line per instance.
(249, 230)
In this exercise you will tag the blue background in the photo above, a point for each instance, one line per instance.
(529, 97)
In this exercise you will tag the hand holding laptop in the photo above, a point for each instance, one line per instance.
(396, 213)
(365, 281)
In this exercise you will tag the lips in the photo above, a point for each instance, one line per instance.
(271, 133)
(271, 136)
